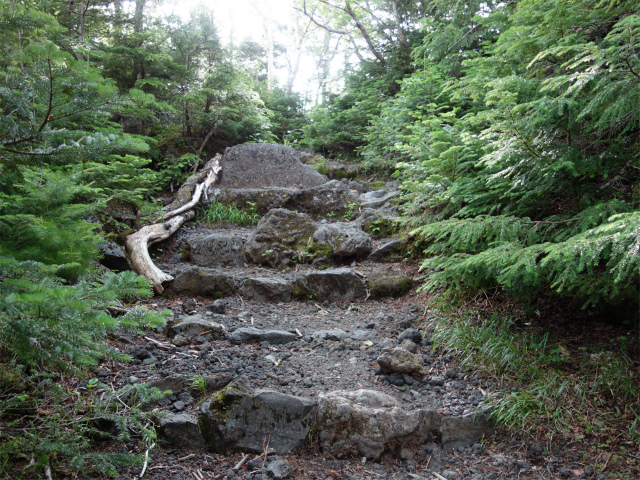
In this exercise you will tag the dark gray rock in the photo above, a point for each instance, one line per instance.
(346, 239)
(182, 431)
(333, 285)
(256, 165)
(385, 283)
(389, 251)
(267, 289)
(216, 249)
(113, 257)
(280, 236)
(465, 430)
(400, 360)
(411, 334)
(204, 282)
(219, 306)
(251, 335)
(279, 469)
(237, 417)
(331, 197)
(193, 325)
(172, 384)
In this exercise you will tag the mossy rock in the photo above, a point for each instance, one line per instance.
(383, 283)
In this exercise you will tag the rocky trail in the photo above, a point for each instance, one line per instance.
(299, 348)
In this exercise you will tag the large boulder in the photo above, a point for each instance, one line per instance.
(333, 285)
(368, 423)
(237, 417)
(346, 239)
(280, 236)
(257, 165)
(205, 282)
(216, 249)
(182, 431)
(113, 257)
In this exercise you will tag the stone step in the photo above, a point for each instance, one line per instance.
(332, 285)
(347, 422)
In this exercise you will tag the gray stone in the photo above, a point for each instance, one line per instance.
(113, 257)
(216, 249)
(265, 165)
(181, 340)
(236, 417)
(219, 306)
(331, 197)
(279, 469)
(333, 285)
(267, 289)
(182, 431)
(193, 325)
(465, 430)
(400, 360)
(172, 384)
(332, 335)
(368, 423)
(409, 346)
(386, 283)
(204, 282)
(179, 405)
(391, 250)
(251, 334)
(280, 236)
(377, 199)
(411, 334)
(346, 239)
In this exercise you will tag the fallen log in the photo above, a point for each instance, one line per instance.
(138, 243)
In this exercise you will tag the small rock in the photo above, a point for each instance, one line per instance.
(402, 361)
(279, 469)
(219, 307)
(409, 346)
(189, 306)
(181, 340)
(411, 334)
(182, 431)
(451, 372)
(149, 361)
(140, 353)
(179, 405)
(132, 380)
(251, 334)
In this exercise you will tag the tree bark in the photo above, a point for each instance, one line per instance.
(138, 243)
(401, 36)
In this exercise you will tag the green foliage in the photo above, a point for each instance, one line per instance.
(48, 324)
(217, 213)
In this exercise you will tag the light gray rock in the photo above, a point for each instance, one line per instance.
(193, 325)
(386, 283)
(182, 431)
(251, 334)
(465, 430)
(280, 236)
(256, 165)
(377, 199)
(333, 285)
(400, 360)
(237, 417)
(331, 197)
(216, 249)
(203, 282)
(332, 335)
(346, 239)
(279, 469)
(368, 423)
(267, 289)
(389, 251)
(113, 257)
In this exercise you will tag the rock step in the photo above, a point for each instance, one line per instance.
(361, 422)
(332, 285)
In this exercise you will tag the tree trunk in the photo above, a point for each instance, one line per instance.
(401, 36)
(269, 46)
(138, 243)
(138, 18)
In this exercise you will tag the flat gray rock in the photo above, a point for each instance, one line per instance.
(332, 335)
(346, 239)
(193, 325)
(216, 249)
(182, 431)
(377, 198)
(333, 285)
(400, 360)
(237, 417)
(256, 165)
(205, 282)
(251, 334)
(267, 289)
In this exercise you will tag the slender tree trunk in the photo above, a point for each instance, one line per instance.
(401, 35)
(364, 33)
(138, 19)
(269, 45)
